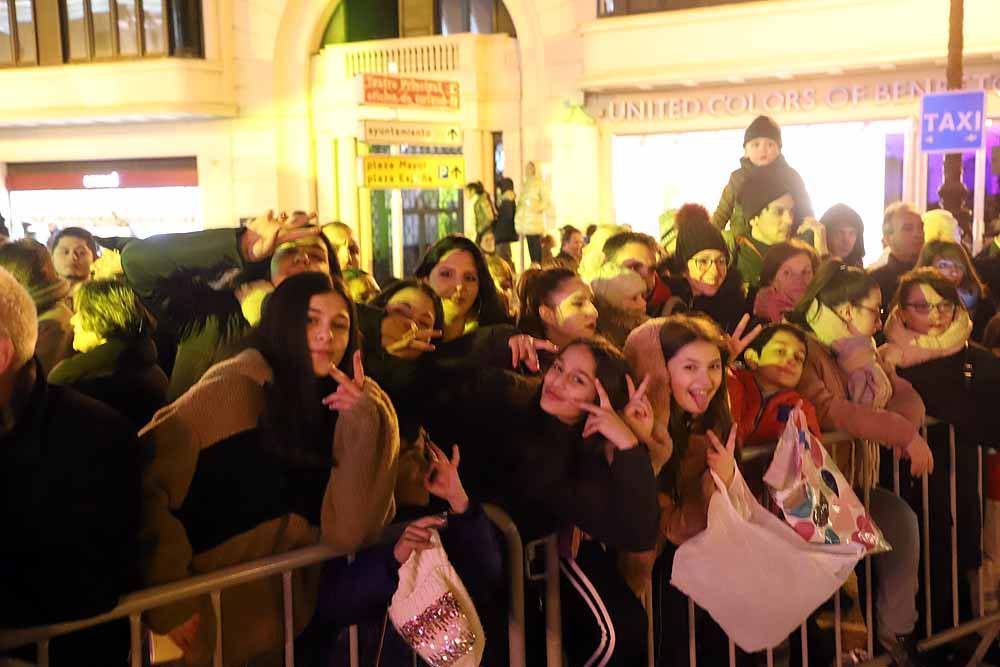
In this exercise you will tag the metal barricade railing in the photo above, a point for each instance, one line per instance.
(133, 605)
(986, 625)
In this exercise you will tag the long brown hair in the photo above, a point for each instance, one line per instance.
(676, 332)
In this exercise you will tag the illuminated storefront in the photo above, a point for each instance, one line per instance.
(852, 140)
(109, 198)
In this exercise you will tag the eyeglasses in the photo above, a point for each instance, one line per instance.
(948, 265)
(703, 264)
(942, 307)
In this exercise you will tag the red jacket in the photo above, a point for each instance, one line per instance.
(759, 421)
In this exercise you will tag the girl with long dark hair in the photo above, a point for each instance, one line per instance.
(565, 453)
(456, 270)
(282, 446)
(855, 392)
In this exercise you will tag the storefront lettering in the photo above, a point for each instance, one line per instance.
(778, 100)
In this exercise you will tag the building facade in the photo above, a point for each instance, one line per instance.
(628, 107)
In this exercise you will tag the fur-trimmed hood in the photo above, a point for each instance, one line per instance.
(645, 358)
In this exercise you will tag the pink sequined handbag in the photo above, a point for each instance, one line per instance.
(433, 612)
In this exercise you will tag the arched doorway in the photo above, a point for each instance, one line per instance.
(392, 233)
(300, 34)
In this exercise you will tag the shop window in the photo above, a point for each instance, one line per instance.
(112, 29)
(128, 28)
(484, 17)
(18, 40)
(154, 35)
(625, 7)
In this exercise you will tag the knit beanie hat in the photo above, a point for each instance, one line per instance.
(693, 236)
(940, 225)
(762, 126)
(763, 186)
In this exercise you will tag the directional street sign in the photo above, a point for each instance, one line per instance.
(386, 172)
(953, 122)
(414, 134)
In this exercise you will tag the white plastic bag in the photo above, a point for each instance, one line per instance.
(757, 578)
(433, 612)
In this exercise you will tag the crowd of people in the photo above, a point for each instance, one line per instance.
(175, 405)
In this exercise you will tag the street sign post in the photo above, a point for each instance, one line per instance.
(414, 134)
(387, 172)
(953, 122)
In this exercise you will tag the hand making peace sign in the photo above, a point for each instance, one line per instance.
(737, 342)
(349, 391)
(604, 420)
(638, 413)
(722, 460)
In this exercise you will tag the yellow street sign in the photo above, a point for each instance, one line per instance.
(386, 172)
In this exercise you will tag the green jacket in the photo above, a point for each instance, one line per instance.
(186, 280)
(750, 260)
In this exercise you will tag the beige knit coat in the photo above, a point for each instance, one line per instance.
(357, 503)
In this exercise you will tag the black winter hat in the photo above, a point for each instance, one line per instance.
(763, 186)
(762, 126)
(695, 235)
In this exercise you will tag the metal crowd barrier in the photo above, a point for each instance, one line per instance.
(986, 625)
(133, 605)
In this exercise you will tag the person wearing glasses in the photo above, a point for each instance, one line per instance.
(855, 392)
(703, 278)
(954, 263)
(930, 343)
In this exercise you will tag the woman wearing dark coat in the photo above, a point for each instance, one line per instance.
(929, 341)
(555, 466)
(116, 363)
